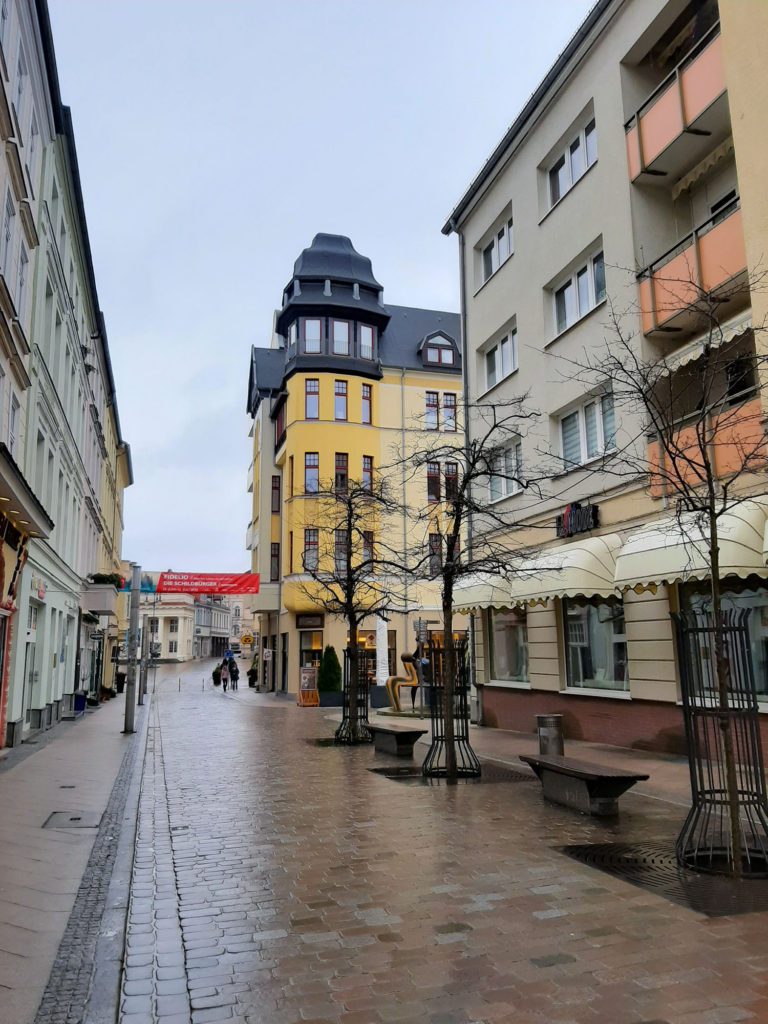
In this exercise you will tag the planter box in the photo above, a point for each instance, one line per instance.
(331, 698)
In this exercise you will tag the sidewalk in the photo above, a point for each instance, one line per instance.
(72, 768)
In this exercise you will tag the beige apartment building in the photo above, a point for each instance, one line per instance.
(635, 168)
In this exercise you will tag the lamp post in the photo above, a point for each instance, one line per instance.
(133, 629)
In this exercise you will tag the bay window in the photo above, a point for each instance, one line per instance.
(366, 342)
(312, 335)
(341, 337)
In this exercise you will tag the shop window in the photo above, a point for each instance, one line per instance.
(310, 648)
(697, 598)
(509, 646)
(595, 643)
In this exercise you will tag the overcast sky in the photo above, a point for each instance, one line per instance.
(215, 139)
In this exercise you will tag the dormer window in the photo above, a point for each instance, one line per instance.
(312, 335)
(440, 355)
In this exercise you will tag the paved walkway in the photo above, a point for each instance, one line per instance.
(278, 882)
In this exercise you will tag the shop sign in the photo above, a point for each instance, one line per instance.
(577, 518)
(38, 583)
(308, 620)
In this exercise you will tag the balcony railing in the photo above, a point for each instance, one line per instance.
(675, 108)
(673, 288)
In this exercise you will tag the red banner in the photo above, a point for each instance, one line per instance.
(208, 583)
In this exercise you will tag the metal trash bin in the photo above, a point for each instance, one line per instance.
(550, 730)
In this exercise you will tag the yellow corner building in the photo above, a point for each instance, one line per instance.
(344, 384)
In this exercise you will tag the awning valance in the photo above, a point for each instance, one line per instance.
(581, 568)
(720, 336)
(676, 549)
(481, 590)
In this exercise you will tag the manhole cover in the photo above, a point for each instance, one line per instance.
(411, 773)
(72, 819)
(655, 869)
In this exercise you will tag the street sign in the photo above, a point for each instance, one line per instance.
(246, 639)
(96, 635)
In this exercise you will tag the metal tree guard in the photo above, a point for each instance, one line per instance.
(705, 842)
(467, 764)
(357, 732)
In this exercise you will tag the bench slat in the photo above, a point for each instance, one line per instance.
(580, 769)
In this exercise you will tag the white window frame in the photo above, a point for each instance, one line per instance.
(506, 473)
(173, 646)
(20, 83)
(582, 141)
(5, 21)
(21, 281)
(32, 140)
(8, 228)
(596, 407)
(14, 422)
(505, 358)
(585, 293)
(498, 246)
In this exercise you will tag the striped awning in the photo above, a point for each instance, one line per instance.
(481, 590)
(580, 568)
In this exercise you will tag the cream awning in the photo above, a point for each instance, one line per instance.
(703, 167)
(724, 333)
(676, 549)
(580, 568)
(481, 590)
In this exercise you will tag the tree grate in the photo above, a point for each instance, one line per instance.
(654, 868)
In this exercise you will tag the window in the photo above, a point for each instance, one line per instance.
(311, 472)
(6, 239)
(741, 378)
(433, 481)
(368, 552)
(441, 354)
(5, 18)
(312, 334)
(501, 359)
(449, 412)
(595, 643)
(340, 400)
(21, 281)
(293, 335)
(509, 646)
(173, 646)
(340, 337)
(432, 414)
(275, 494)
(366, 342)
(310, 549)
(290, 551)
(451, 481)
(366, 404)
(367, 473)
(499, 249)
(13, 426)
(20, 85)
(152, 626)
(341, 478)
(311, 399)
(279, 426)
(340, 548)
(588, 431)
(34, 138)
(274, 562)
(583, 290)
(572, 162)
(290, 474)
(506, 472)
(173, 625)
(435, 554)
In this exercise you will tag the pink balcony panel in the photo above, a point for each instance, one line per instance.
(722, 252)
(703, 80)
(662, 124)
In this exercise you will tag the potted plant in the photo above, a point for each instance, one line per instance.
(329, 679)
(113, 579)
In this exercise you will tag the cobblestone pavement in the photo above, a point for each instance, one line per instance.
(277, 881)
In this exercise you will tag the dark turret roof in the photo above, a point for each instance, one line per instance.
(334, 257)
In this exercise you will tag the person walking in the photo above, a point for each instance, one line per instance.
(234, 672)
(224, 674)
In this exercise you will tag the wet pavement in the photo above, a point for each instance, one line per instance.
(277, 881)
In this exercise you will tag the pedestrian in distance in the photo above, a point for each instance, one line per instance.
(234, 672)
(224, 674)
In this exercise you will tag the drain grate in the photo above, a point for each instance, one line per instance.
(411, 774)
(655, 869)
(72, 819)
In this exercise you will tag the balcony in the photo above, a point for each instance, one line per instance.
(99, 599)
(709, 263)
(683, 118)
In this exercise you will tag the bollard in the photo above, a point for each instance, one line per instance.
(179, 684)
(550, 730)
(203, 684)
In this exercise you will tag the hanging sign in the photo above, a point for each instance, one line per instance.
(208, 583)
(577, 518)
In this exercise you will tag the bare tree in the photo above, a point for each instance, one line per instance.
(700, 444)
(349, 576)
(460, 530)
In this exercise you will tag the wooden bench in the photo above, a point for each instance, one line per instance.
(395, 739)
(590, 788)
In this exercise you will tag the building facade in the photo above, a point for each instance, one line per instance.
(625, 194)
(345, 383)
(60, 412)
